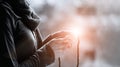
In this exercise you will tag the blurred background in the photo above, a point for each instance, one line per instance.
(98, 20)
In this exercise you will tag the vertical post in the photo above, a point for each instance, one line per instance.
(78, 52)
(59, 62)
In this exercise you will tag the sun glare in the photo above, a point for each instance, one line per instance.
(75, 31)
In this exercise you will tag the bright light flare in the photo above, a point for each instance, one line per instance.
(75, 31)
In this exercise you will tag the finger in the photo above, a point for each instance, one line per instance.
(61, 44)
(60, 34)
(65, 43)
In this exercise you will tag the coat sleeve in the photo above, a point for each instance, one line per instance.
(8, 57)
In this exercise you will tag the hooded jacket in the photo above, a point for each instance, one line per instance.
(20, 38)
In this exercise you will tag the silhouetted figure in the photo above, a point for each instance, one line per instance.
(20, 41)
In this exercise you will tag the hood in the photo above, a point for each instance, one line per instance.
(23, 10)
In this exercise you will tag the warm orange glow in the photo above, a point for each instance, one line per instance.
(75, 31)
(78, 32)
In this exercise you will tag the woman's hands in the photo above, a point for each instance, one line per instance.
(60, 41)
(57, 44)
(59, 34)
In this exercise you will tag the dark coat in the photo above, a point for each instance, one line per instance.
(19, 41)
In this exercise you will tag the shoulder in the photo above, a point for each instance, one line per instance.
(6, 11)
(8, 19)
(3, 11)
(7, 15)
